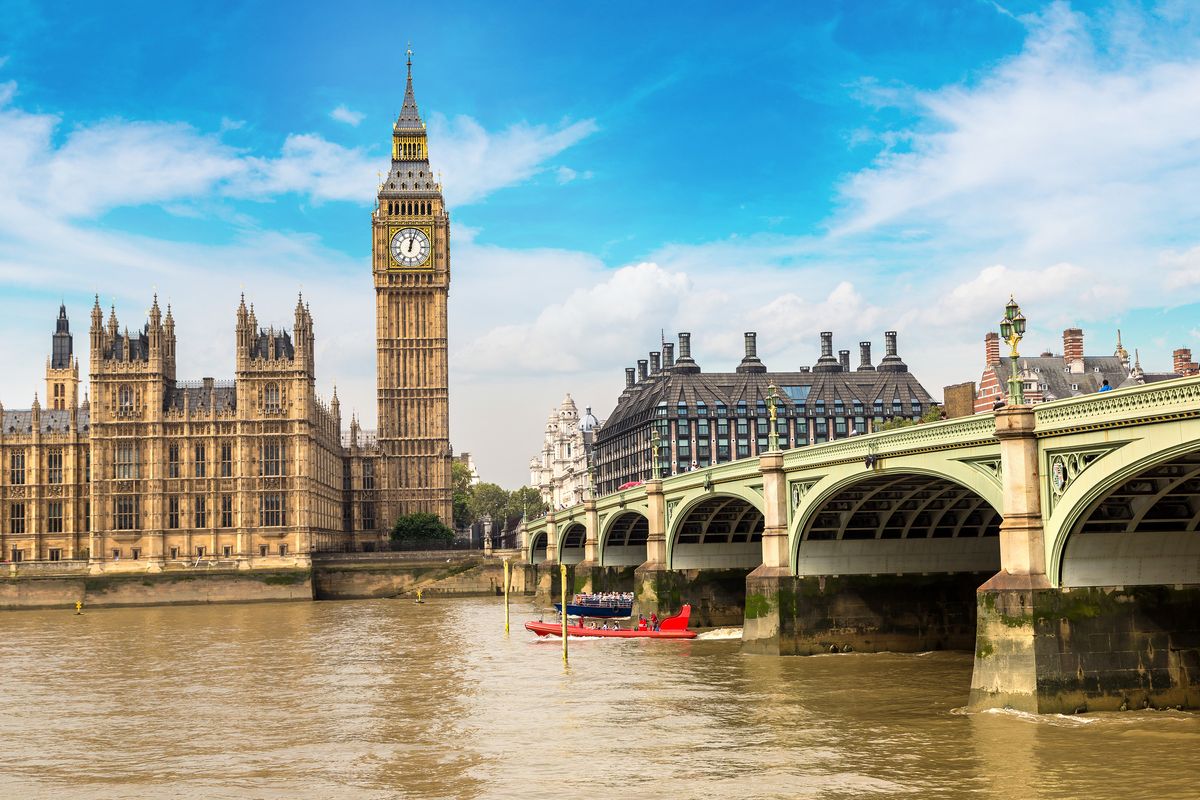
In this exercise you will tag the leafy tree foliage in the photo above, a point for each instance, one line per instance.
(421, 528)
(460, 482)
(526, 501)
(488, 500)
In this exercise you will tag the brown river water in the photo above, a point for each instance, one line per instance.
(389, 699)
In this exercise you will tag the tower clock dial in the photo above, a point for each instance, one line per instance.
(410, 247)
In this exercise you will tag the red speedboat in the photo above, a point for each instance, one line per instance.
(670, 628)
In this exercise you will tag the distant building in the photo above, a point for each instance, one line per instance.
(560, 470)
(708, 418)
(468, 462)
(1050, 376)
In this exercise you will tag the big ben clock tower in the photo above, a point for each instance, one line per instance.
(410, 246)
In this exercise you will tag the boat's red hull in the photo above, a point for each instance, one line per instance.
(555, 629)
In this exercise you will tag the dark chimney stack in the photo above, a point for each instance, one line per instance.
(827, 363)
(891, 360)
(751, 362)
(668, 355)
(844, 360)
(642, 367)
(864, 357)
(685, 364)
(655, 362)
(630, 378)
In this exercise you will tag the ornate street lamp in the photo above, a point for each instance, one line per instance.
(591, 472)
(655, 472)
(1012, 328)
(773, 414)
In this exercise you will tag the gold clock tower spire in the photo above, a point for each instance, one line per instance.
(410, 244)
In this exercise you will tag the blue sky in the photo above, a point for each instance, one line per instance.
(613, 170)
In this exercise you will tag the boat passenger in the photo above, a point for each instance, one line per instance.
(653, 621)
(641, 626)
(604, 626)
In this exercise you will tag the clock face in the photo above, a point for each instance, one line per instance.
(410, 247)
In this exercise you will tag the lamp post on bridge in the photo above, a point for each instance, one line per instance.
(773, 415)
(655, 471)
(1012, 328)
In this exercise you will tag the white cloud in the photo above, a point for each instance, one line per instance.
(477, 162)
(343, 114)
(116, 163)
(565, 174)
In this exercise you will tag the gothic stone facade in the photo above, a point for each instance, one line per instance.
(411, 265)
(152, 471)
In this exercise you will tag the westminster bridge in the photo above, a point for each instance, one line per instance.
(1057, 541)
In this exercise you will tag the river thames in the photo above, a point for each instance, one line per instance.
(389, 699)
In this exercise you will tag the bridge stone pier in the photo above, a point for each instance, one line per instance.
(1059, 542)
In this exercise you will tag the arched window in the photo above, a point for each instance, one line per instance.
(271, 398)
(125, 400)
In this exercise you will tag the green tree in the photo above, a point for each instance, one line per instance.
(421, 528)
(460, 482)
(934, 414)
(525, 501)
(488, 499)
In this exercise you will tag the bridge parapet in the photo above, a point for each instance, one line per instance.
(925, 437)
(1155, 402)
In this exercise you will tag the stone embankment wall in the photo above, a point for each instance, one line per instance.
(152, 589)
(453, 573)
(340, 577)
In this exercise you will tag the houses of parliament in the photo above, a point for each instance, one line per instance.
(142, 469)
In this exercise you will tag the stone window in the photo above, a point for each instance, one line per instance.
(227, 550)
(126, 461)
(271, 511)
(125, 400)
(201, 461)
(54, 465)
(368, 516)
(263, 549)
(173, 513)
(226, 459)
(87, 465)
(173, 460)
(273, 457)
(16, 518)
(200, 552)
(135, 553)
(54, 516)
(271, 402)
(16, 474)
(174, 553)
(282, 550)
(55, 554)
(200, 512)
(368, 474)
(226, 511)
(116, 554)
(125, 512)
